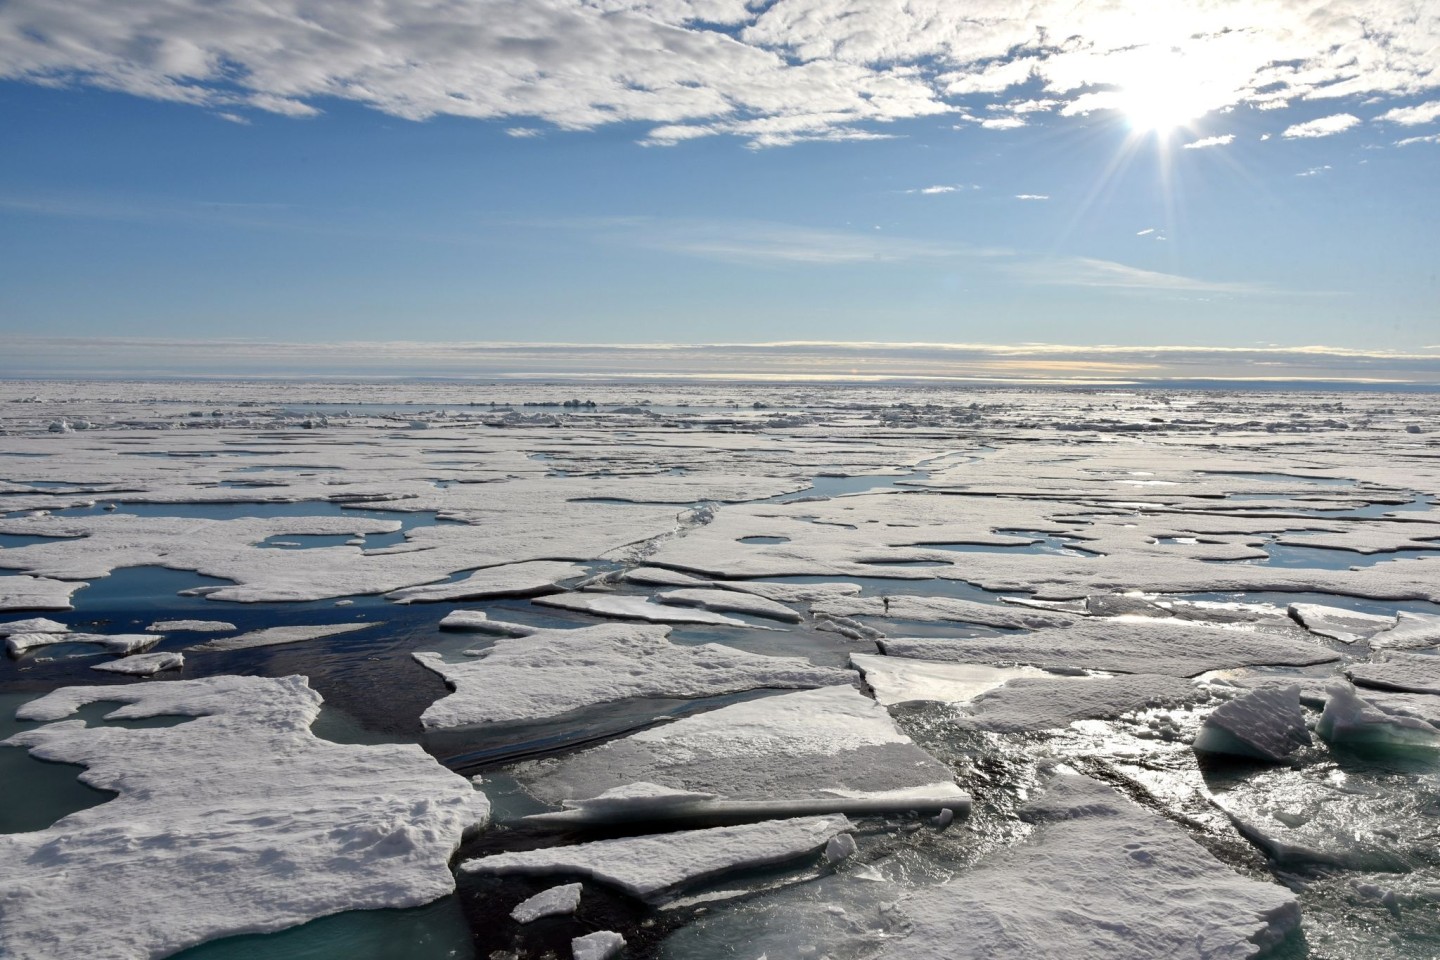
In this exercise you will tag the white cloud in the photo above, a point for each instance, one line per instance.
(1146, 232)
(773, 73)
(1093, 272)
(1412, 116)
(1323, 127)
(1431, 138)
(233, 118)
(1032, 196)
(523, 133)
(929, 191)
(1314, 171)
(1221, 141)
(1002, 123)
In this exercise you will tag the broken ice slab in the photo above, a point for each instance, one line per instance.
(1412, 631)
(1337, 623)
(831, 750)
(636, 608)
(508, 580)
(554, 902)
(902, 679)
(18, 644)
(143, 664)
(1407, 672)
(1099, 877)
(551, 672)
(1265, 724)
(730, 601)
(652, 868)
(1350, 719)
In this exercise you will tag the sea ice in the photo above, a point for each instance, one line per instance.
(274, 636)
(23, 592)
(18, 644)
(634, 608)
(1032, 704)
(1099, 878)
(941, 609)
(900, 679)
(1408, 672)
(554, 902)
(32, 625)
(475, 621)
(600, 945)
(813, 751)
(1171, 647)
(190, 626)
(1265, 724)
(652, 867)
(1412, 631)
(239, 820)
(143, 664)
(553, 671)
(509, 580)
(1352, 720)
(731, 601)
(1347, 626)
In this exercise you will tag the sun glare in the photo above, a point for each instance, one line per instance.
(1163, 90)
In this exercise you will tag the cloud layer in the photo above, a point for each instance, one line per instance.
(789, 361)
(773, 73)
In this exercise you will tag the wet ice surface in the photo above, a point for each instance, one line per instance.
(1055, 577)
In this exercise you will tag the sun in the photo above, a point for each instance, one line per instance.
(1157, 109)
(1162, 90)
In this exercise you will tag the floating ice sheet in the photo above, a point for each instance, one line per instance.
(1409, 672)
(1265, 724)
(551, 672)
(239, 820)
(635, 608)
(730, 601)
(901, 679)
(1031, 704)
(143, 664)
(653, 867)
(510, 580)
(1100, 877)
(942, 609)
(275, 636)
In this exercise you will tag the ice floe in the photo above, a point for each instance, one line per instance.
(635, 608)
(18, 644)
(1412, 631)
(510, 580)
(1265, 724)
(600, 945)
(553, 671)
(143, 664)
(554, 902)
(190, 626)
(654, 867)
(1100, 877)
(1032, 704)
(239, 820)
(813, 751)
(730, 601)
(1407, 672)
(23, 592)
(1157, 646)
(1350, 719)
(476, 621)
(942, 609)
(32, 625)
(275, 636)
(901, 679)
(1347, 626)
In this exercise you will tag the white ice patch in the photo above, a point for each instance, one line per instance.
(1100, 877)
(239, 820)
(23, 592)
(557, 901)
(812, 751)
(551, 672)
(190, 626)
(1412, 631)
(275, 636)
(942, 609)
(32, 625)
(1265, 724)
(476, 621)
(600, 945)
(901, 679)
(1350, 719)
(510, 580)
(653, 867)
(18, 644)
(1347, 626)
(635, 608)
(1407, 672)
(143, 664)
(1032, 704)
(1171, 647)
(730, 601)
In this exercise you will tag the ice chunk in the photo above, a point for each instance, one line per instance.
(1099, 877)
(943, 609)
(1032, 704)
(475, 621)
(1347, 626)
(600, 945)
(239, 820)
(1412, 631)
(274, 636)
(33, 625)
(509, 580)
(1151, 646)
(120, 643)
(653, 867)
(1411, 672)
(190, 626)
(635, 608)
(143, 664)
(548, 903)
(841, 847)
(900, 679)
(1352, 720)
(814, 751)
(553, 671)
(1265, 724)
(730, 601)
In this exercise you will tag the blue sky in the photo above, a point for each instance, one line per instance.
(173, 178)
